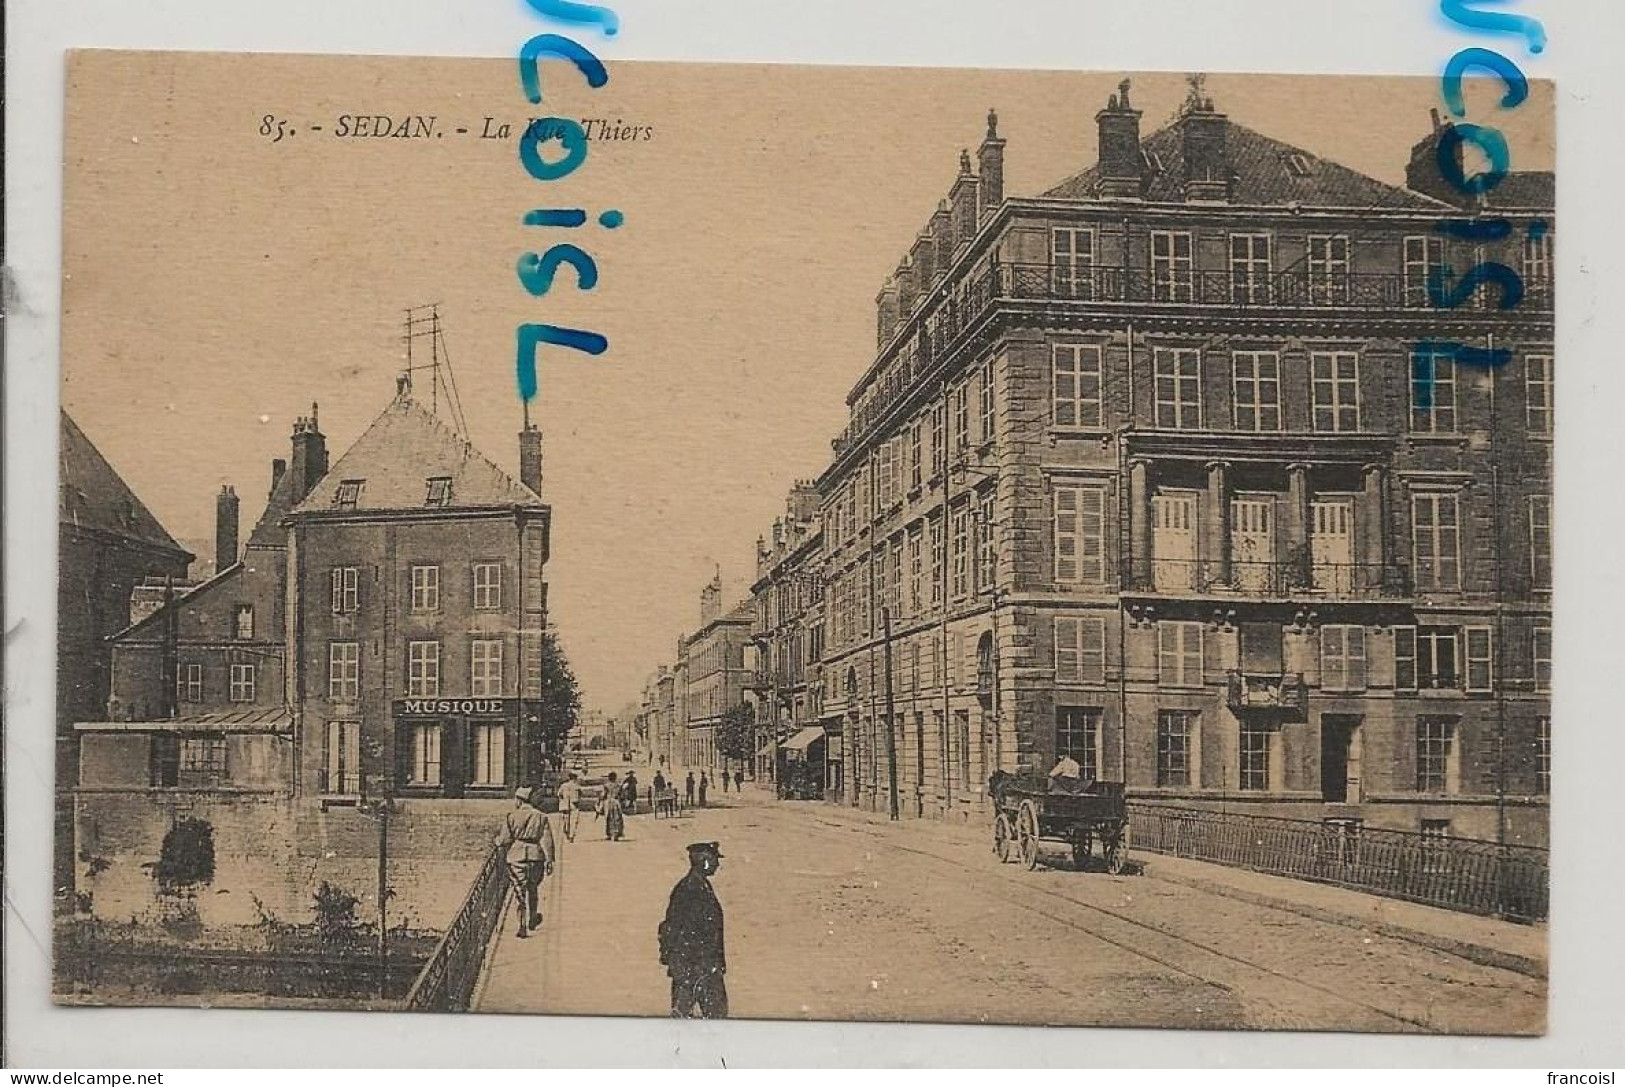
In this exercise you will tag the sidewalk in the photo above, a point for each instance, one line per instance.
(1486, 941)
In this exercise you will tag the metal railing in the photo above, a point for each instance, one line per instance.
(1276, 690)
(447, 980)
(1452, 873)
(1344, 581)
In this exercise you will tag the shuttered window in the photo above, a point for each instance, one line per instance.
(1080, 553)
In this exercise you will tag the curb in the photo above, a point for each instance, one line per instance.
(1461, 949)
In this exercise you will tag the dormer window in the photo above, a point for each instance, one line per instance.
(439, 491)
(1154, 160)
(348, 493)
(1297, 165)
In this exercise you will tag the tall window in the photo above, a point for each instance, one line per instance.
(1256, 739)
(1433, 393)
(1426, 658)
(1179, 388)
(205, 757)
(987, 556)
(1541, 648)
(959, 434)
(424, 768)
(916, 434)
(1342, 657)
(1336, 381)
(1080, 649)
(1328, 269)
(1176, 735)
(1250, 269)
(425, 588)
(489, 743)
(961, 552)
(189, 683)
(984, 401)
(1537, 386)
(939, 448)
(962, 738)
(343, 758)
(1076, 384)
(1540, 540)
(1258, 390)
(1537, 263)
(1179, 654)
(346, 590)
(344, 671)
(1171, 268)
(1543, 755)
(423, 669)
(1072, 261)
(893, 572)
(1436, 539)
(1080, 534)
(935, 528)
(1077, 733)
(1436, 754)
(916, 571)
(883, 473)
(1423, 254)
(485, 668)
(243, 622)
(487, 586)
(242, 683)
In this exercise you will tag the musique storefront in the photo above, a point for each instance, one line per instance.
(456, 747)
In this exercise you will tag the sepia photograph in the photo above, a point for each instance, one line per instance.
(940, 545)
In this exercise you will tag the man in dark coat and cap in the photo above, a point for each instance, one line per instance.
(691, 939)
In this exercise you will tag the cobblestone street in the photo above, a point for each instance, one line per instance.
(852, 918)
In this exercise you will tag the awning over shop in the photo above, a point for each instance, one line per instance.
(804, 739)
(279, 720)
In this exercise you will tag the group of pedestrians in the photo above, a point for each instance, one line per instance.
(691, 934)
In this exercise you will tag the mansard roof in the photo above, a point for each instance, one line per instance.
(94, 496)
(1268, 172)
(397, 456)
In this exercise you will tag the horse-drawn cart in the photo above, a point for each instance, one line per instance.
(1033, 810)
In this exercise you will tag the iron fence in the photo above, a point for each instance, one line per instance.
(447, 980)
(1451, 873)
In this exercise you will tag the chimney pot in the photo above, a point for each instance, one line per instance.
(1120, 159)
(226, 526)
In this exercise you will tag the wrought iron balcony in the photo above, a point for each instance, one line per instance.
(1296, 579)
(1267, 691)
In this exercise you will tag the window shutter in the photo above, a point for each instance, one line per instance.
(338, 590)
(1404, 658)
(1480, 660)
(1191, 665)
(1167, 652)
(1092, 650)
(1067, 649)
(1066, 534)
(1333, 659)
(1354, 647)
(1092, 534)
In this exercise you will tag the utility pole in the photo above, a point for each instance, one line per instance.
(381, 808)
(891, 714)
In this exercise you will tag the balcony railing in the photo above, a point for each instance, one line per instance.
(1452, 873)
(447, 980)
(1296, 579)
(1273, 691)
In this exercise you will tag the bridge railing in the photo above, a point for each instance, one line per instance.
(1451, 873)
(447, 980)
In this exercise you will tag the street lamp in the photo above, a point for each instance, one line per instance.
(380, 807)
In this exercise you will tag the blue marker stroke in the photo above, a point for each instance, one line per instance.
(565, 11)
(1457, 11)
(552, 45)
(555, 217)
(1449, 297)
(1517, 83)
(1474, 230)
(568, 132)
(529, 337)
(537, 273)
(1488, 140)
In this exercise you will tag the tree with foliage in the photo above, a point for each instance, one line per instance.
(561, 695)
(736, 734)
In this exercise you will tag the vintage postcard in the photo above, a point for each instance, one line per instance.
(772, 542)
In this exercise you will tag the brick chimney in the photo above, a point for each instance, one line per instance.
(309, 463)
(886, 313)
(1207, 160)
(990, 169)
(278, 467)
(226, 517)
(1422, 173)
(942, 236)
(1121, 165)
(963, 203)
(924, 259)
(530, 457)
(905, 290)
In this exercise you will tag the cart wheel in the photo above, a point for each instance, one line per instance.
(1116, 849)
(1002, 833)
(1027, 826)
(1083, 845)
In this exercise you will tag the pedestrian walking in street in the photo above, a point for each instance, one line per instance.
(705, 783)
(569, 797)
(629, 793)
(528, 838)
(739, 781)
(724, 781)
(688, 789)
(691, 942)
(609, 806)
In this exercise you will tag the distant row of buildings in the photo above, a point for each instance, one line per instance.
(1174, 469)
(379, 633)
